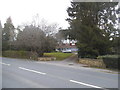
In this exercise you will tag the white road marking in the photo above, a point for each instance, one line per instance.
(32, 70)
(93, 86)
(5, 64)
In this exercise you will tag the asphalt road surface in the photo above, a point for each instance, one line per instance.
(21, 73)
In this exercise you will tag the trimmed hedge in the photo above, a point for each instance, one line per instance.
(107, 61)
(20, 54)
(112, 61)
(108, 56)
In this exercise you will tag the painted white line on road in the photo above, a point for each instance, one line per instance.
(93, 86)
(32, 70)
(5, 64)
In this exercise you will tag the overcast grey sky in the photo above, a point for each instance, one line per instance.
(23, 11)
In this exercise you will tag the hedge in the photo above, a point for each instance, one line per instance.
(20, 54)
(111, 61)
(107, 61)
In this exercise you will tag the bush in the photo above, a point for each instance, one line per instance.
(88, 53)
(111, 61)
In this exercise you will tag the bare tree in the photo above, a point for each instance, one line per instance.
(33, 38)
(48, 29)
(37, 37)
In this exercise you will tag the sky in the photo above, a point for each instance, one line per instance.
(23, 11)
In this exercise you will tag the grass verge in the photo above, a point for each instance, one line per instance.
(59, 55)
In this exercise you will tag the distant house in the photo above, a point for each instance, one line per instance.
(66, 47)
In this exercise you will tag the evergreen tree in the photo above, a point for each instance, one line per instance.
(8, 34)
(0, 37)
(89, 24)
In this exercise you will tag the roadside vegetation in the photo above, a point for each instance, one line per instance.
(108, 56)
(58, 55)
(106, 61)
(33, 56)
(92, 25)
(98, 39)
(30, 37)
(111, 61)
(19, 54)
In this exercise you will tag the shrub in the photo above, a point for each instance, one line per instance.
(88, 53)
(111, 61)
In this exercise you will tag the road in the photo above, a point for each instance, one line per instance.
(21, 73)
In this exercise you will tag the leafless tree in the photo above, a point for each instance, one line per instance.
(33, 38)
(48, 29)
(37, 37)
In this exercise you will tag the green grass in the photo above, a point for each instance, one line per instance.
(59, 55)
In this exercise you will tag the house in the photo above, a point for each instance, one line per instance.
(66, 47)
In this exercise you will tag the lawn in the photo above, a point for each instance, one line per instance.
(59, 55)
